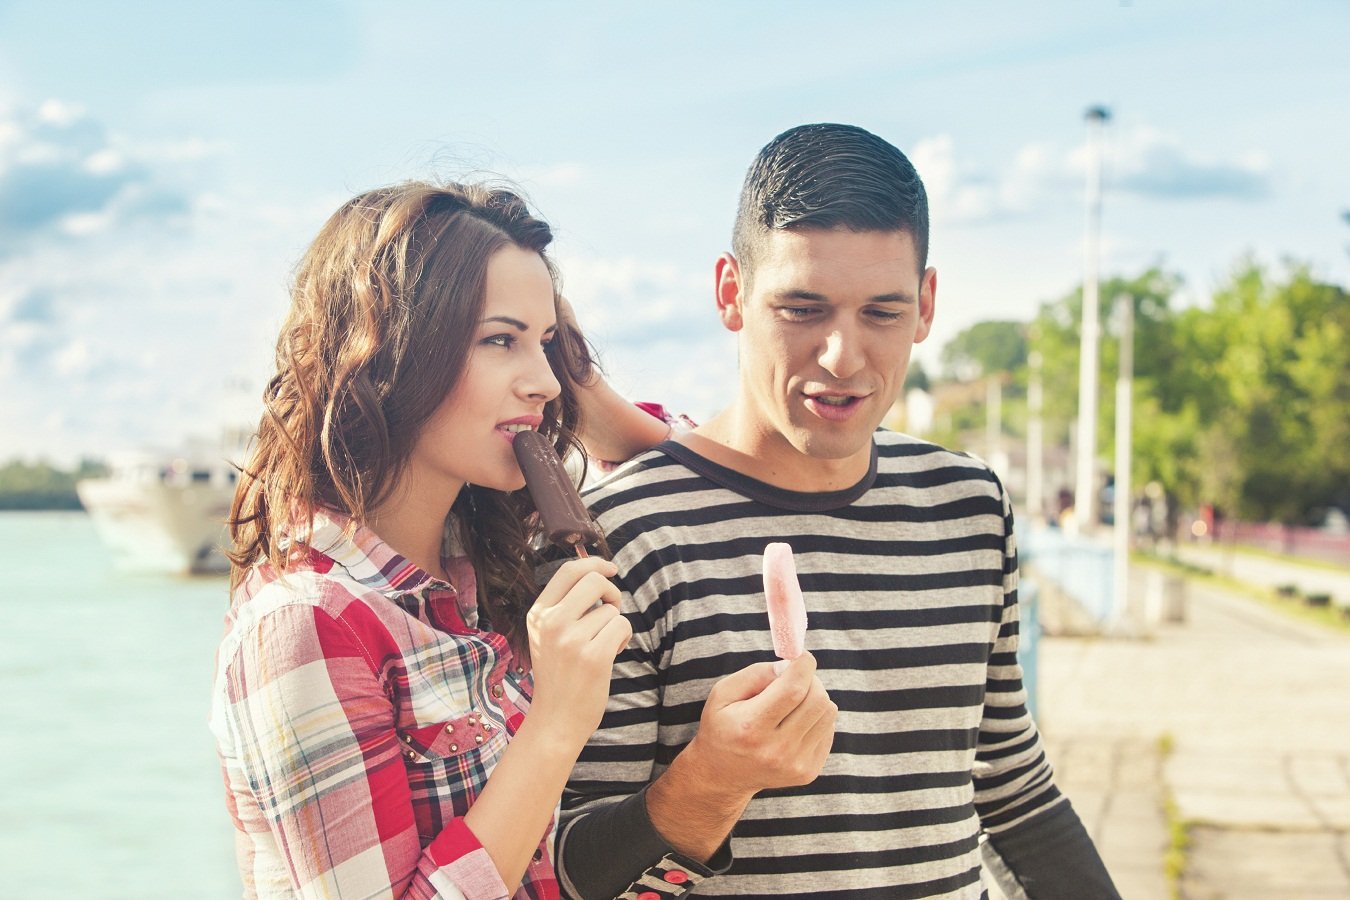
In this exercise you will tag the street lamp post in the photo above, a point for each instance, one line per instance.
(1123, 512)
(1085, 499)
(1035, 437)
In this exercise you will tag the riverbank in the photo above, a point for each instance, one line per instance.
(41, 487)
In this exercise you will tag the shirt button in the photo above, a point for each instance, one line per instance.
(454, 748)
(497, 691)
(675, 876)
(478, 738)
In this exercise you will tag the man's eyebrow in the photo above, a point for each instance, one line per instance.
(813, 297)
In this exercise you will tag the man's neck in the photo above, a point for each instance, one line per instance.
(730, 439)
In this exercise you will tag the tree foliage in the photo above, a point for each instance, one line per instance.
(39, 485)
(985, 348)
(1245, 404)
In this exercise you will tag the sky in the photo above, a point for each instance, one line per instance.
(164, 164)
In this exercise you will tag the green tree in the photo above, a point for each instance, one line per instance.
(1055, 334)
(984, 349)
(1274, 356)
(39, 485)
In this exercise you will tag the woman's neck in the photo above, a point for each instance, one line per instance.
(413, 524)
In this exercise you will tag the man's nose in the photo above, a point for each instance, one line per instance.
(842, 354)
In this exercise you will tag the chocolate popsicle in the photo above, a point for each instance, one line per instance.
(564, 517)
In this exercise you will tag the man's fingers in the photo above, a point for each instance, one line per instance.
(806, 715)
(766, 698)
(742, 684)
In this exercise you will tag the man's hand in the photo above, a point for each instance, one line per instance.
(759, 730)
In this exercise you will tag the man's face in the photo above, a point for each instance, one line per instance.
(826, 327)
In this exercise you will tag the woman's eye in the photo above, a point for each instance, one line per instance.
(501, 340)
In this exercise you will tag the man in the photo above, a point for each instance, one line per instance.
(871, 765)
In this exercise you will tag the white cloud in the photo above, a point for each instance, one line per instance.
(1151, 163)
(565, 174)
(126, 304)
(1141, 161)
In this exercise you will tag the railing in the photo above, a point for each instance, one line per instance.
(1309, 543)
(1079, 567)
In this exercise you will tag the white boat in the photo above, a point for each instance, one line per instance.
(166, 511)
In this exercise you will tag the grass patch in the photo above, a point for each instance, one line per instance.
(1285, 598)
(1178, 830)
(1250, 550)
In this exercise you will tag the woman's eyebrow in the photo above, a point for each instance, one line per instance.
(515, 323)
(507, 320)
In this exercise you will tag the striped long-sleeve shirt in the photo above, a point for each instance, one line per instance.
(910, 580)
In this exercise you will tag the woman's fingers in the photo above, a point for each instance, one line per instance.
(567, 576)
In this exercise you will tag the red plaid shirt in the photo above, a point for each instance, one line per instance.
(358, 712)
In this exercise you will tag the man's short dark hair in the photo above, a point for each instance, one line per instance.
(829, 176)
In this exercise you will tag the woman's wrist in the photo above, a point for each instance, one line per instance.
(613, 428)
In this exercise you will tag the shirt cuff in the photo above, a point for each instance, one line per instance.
(667, 873)
(455, 864)
(679, 424)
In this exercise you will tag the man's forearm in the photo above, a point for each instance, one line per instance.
(690, 811)
(605, 851)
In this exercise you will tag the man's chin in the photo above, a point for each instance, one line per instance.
(831, 447)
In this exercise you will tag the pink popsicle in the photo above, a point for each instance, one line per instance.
(787, 609)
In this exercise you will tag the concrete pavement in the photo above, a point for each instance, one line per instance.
(1238, 717)
(1265, 571)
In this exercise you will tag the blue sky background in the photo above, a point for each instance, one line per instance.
(162, 165)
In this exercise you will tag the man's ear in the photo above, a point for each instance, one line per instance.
(927, 301)
(729, 292)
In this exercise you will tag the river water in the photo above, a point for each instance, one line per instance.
(109, 785)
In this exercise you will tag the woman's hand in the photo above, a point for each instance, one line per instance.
(575, 631)
(612, 428)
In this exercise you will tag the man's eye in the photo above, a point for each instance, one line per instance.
(885, 315)
(798, 312)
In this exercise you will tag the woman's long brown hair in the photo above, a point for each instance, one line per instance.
(385, 306)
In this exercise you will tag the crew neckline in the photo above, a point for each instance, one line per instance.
(768, 494)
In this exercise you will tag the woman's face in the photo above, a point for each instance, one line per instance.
(506, 382)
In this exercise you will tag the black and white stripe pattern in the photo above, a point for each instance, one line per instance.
(910, 581)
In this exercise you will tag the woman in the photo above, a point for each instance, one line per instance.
(372, 684)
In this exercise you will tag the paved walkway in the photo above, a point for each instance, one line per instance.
(1269, 572)
(1241, 717)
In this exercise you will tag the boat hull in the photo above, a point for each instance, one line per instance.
(160, 527)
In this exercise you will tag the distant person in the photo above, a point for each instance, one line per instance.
(384, 638)
(872, 765)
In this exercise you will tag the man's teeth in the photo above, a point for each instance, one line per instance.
(834, 401)
(518, 428)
